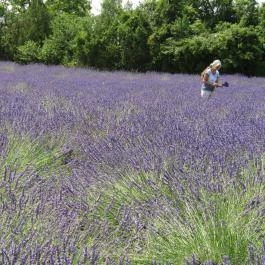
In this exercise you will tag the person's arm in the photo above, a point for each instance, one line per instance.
(217, 83)
(206, 80)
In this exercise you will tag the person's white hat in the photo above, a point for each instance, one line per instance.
(216, 63)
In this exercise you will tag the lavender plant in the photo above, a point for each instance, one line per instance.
(43, 154)
(126, 168)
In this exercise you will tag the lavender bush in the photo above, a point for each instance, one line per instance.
(127, 168)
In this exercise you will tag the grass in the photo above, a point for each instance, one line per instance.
(114, 205)
(215, 225)
(218, 226)
(130, 189)
(43, 155)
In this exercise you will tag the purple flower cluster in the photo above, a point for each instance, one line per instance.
(116, 124)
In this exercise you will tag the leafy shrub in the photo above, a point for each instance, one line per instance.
(59, 48)
(238, 47)
(50, 53)
(29, 52)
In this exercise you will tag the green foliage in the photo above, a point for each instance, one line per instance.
(85, 42)
(189, 55)
(36, 21)
(207, 227)
(19, 6)
(2, 9)
(31, 24)
(11, 35)
(50, 53)
(174, 36)
(41, 155)
(110, 9)
(215, 11)
(106, 44)
(168, 11)
(99, 44)
(218, 225)
(133, 32)
(77, 7)
(109, 200)
(261, 17)
(58, 48)
(246, 12)
(27, 53)
(239, 47)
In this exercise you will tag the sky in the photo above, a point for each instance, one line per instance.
(96, 4)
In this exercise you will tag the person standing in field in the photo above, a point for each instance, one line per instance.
(210, 78)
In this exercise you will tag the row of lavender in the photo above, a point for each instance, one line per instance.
(130, 147)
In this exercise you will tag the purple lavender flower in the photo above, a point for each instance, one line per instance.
(92, 161)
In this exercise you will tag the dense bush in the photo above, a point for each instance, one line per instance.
(59, 47)
(29, 52)
(240, 49)
(158, 35)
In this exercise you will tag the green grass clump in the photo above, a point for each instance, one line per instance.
(217, 225)
(131, 189)
(109, 201)
(208, 227)
(42, 154)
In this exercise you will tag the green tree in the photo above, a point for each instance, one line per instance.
(188, 55)
(261, 16)
(77, 7)
(167, 19)
(246, 12)
(3, 11)
(238, 47)
(261, 23)
(103, 49)
(30, 24)
(212, 12)
(18, 6)
(83, 41)
(36, 21)
(28, 53)
(134, 31)
(58, 47)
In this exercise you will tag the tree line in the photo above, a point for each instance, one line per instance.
(159, 35)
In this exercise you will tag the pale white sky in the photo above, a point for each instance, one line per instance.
(96, 4)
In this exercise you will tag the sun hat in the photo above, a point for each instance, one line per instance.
(215, 63)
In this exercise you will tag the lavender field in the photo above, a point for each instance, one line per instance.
(130, 168)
